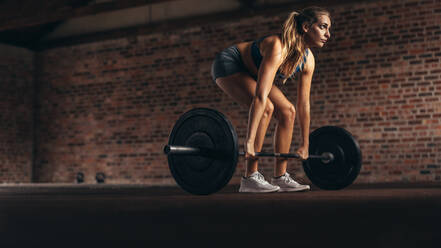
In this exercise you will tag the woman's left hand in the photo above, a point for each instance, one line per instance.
(303, 152)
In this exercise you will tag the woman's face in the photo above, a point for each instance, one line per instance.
(318, 33)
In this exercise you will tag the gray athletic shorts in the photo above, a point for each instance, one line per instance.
(227, 63)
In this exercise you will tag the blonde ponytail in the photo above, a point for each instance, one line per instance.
(292, 45)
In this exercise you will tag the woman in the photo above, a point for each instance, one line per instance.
(246, 72)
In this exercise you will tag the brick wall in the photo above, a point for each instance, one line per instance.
(108, 106)
(16, 119)
(380, 78)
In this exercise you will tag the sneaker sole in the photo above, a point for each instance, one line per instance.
(306, 188)
(259, 191)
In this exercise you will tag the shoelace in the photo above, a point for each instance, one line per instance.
(288, 179)
(261, 178)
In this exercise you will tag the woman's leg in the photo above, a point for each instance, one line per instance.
(285, 114)
(242, 87)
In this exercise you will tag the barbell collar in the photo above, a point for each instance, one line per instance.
(327, 157)
(187, 150)
(181, 150)
(195, 151)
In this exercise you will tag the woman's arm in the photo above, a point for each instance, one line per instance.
(303, 96)
(271, 53)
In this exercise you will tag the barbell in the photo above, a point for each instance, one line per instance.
(203, 151)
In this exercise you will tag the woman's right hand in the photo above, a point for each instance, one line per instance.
(249, 150)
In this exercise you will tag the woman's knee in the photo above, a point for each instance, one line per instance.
(269, 109)
(286, 114)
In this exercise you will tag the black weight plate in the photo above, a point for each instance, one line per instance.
(345, 167)
(207, 128)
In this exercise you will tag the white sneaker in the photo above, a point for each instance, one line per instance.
(286, 183)
(256, 183)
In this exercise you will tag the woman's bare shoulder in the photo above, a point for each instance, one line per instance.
(271, 45)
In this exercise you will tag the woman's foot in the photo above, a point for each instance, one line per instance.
(286, 183)
(256, 183)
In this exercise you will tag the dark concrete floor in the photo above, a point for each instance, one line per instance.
(140, 216)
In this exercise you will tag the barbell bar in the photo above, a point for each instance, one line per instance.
(326, 157)
(203, 151)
